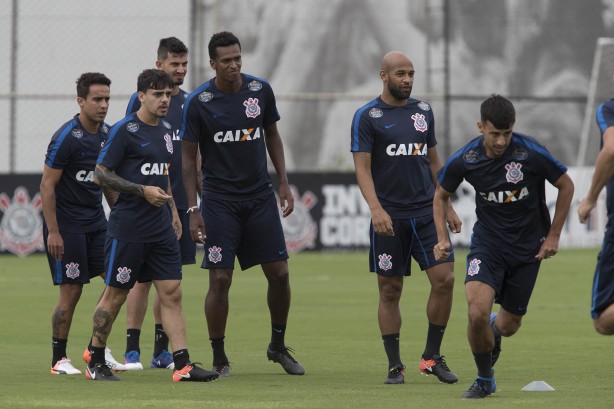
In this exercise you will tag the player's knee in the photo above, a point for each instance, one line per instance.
(509, 328)
(602, 327)
(445, 284)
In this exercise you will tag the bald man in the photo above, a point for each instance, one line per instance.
(396, 163)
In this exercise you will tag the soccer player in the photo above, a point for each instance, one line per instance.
(74, 222)
(396, 160)
(602, 307)
(143, 233)
(172, 59)
(513, 232)
(233, 120)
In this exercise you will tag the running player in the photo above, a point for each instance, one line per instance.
(602, 306)
(513, 232)
(144, 227)
(74, 222)
(396, 160)
(229, 118)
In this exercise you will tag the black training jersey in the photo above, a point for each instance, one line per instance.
(605, 119)
(398, 139)
(510, 191)
(78, 198)
(230, 131)
(173, 117)
(141, 154)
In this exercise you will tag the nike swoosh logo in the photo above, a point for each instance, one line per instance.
(217, 114)
(277, 330)
(92, 374)
(145, 144)
(282, 252)
(185, 376)
(388, 126)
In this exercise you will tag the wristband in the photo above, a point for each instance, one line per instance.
(192, 209)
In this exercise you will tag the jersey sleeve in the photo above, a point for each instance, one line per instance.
(362, 132)
(271, 115)
(59, 149)
(114, 148)
(431, 141)
(191, 127)
(451, 175)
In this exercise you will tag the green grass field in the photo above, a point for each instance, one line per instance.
(333, 328)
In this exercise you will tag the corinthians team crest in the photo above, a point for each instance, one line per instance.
(72, 270)
(384, 262)
(169, 143)
(300, 230)
(419, 122)
(215, 254)
(21, 228)
(252, 110)
(514, 174)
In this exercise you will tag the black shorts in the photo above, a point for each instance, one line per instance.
(248, 229)
(603, 280)
(83, 257)
(415, 237)
(127, 262)
(512, 277)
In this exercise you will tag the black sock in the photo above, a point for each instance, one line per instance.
(483, 361)
(219, 355)
(278, 333)
(97, 356)
(433, 340)
(160, 340)
(391, 346)
(133, 337)
(181, 358)
(58, 346)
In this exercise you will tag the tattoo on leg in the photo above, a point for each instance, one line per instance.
(57, 320)
(102, 325)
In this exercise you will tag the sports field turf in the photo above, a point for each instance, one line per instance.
(332, 327)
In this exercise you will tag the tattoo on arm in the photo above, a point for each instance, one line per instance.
(110, 179)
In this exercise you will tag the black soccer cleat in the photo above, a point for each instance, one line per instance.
(100, 372)
(283, 357)
(192, 373)
(437, 366)
(396, 375)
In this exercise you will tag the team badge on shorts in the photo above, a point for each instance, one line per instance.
(419, 122)
(123, 275)
(72, 270)
(77, 133)
(474, 267)
(384, 262)
(169, 143)
(514, 174)
(215, 254)
(252, 110)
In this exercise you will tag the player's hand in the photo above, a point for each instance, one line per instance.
(55, 245)
(442, 250)
(382, 223)
(155, 195)
(549, 248)
(197, 228)
(454, 222)
(286, 200)
(585, 208)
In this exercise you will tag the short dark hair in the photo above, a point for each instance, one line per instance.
(221, 39)
(171, 45)
(153, 79)
(499, 111)
(88, 79)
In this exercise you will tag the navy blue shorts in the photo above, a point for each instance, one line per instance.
(127, 262)
(249, 229)
(603, 281)
(415, 237)
(83, 257)
(186, 244)
(511, 276)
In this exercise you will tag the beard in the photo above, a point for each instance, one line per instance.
(397, 93)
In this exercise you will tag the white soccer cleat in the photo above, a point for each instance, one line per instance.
(64, 367)
(112, 362)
